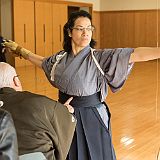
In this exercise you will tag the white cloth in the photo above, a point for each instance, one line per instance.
(33, 156)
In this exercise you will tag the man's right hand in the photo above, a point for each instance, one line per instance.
(69, 107)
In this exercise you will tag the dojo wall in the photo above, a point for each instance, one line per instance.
(107, 5)
(125, 23)
(129, 23)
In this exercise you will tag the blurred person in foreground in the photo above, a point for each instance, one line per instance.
(42, 124)
(8, 137)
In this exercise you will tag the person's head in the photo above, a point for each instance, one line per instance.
(78, 31)
(8, 77)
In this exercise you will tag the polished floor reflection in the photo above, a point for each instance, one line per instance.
(136, 114)
(135, 109)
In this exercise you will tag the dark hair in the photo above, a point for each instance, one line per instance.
(2, 50)
(68, 27)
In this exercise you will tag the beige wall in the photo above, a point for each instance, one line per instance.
(107, 5)
(6, 19)
(6, 24)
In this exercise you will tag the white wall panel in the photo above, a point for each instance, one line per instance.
(107, 5)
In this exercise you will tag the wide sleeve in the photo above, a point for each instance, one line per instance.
(64, 124)
(116, 66)
(48, 63)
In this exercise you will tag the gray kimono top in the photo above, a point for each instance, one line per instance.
(79, 76)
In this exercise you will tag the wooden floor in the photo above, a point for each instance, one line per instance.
(135, 109)
(136, 114)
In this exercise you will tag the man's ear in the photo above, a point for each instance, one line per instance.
(17, 84)
(16, 81)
